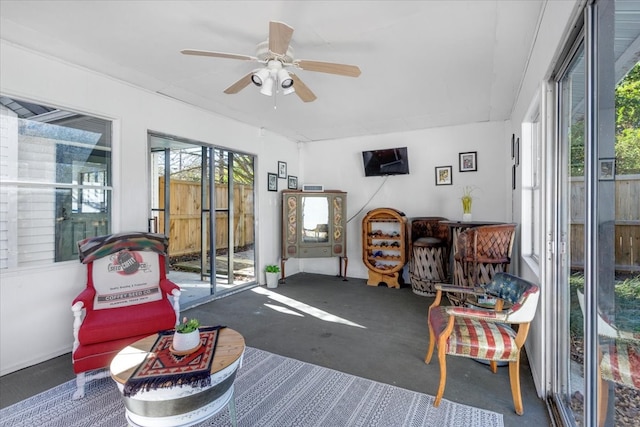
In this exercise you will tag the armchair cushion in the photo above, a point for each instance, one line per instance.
(476, 338)
(116, 323)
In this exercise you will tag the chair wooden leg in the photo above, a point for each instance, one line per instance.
(494, 366)
(603, 402)
(432, 344)
(514, 379)
(442, 359)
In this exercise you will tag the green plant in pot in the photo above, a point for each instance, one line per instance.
(272, 268)
(187, 336)
(272, 272)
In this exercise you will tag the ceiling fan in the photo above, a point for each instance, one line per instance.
(277, 56)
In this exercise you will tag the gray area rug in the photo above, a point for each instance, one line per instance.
(271, 390)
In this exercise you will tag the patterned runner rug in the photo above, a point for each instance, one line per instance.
(270, 390)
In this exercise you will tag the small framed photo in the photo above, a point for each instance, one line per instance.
(282, 170)
(272, 181)
(443, 175)
(292, 182)
(606, 169)
(469, 161)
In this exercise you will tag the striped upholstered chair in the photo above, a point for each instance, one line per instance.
(619, 354)
(484, 334)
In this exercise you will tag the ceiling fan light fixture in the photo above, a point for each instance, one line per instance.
(284, 78)
(267, 86)
(259, 77)
(288, 90)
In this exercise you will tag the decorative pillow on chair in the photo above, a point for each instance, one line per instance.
(126, 278)
(506, 287)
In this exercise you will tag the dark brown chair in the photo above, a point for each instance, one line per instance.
(429, 250)
(481, 252)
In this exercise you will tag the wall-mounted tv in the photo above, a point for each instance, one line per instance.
(391, 161)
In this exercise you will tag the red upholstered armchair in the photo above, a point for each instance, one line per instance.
(127, 298)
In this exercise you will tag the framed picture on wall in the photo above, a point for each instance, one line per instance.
(282, 170)
(469, 161)
(292, 182)
(443, 175)
(272, 181)
(606, 169)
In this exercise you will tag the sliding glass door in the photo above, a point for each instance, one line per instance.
(203, 199)
(597, 221)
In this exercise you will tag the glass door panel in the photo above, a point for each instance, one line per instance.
(572, 220)
(598, 274)
(234, 207)
(242, 233)
(187, 179)
(617, 178)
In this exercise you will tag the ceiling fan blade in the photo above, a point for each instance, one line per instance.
(279, 37)
(218, 54)
(328, 67)
(239, 85)
(302, 90)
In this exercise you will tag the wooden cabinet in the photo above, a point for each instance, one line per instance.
(384, 246)
(314, 226)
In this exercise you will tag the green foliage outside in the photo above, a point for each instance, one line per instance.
(627, 146)
(627, 303)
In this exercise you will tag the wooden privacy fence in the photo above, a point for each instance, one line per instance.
(626, 226)
(185, 230)
(185, 220)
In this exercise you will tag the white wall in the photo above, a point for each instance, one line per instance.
(39, 299)
(338, 165)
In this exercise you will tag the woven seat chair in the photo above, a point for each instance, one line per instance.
(481, 252)
(429, 251)
(484, 334)
(619, 354)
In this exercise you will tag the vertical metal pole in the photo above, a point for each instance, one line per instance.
(167, 192)
(204, 229)
(231, 222)
(212, 218)
(591, 220)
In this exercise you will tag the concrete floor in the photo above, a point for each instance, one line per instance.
(373, 332)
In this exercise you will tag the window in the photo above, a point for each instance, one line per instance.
(531, 165)
(54, 182)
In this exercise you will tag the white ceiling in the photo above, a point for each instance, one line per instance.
(424, 63)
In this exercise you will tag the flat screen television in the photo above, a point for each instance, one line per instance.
(391, 161)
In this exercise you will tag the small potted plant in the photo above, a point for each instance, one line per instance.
(272, 272)
(187, 335)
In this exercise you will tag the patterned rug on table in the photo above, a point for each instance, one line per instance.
(270, 390)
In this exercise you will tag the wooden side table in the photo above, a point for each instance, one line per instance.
(181, 406)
